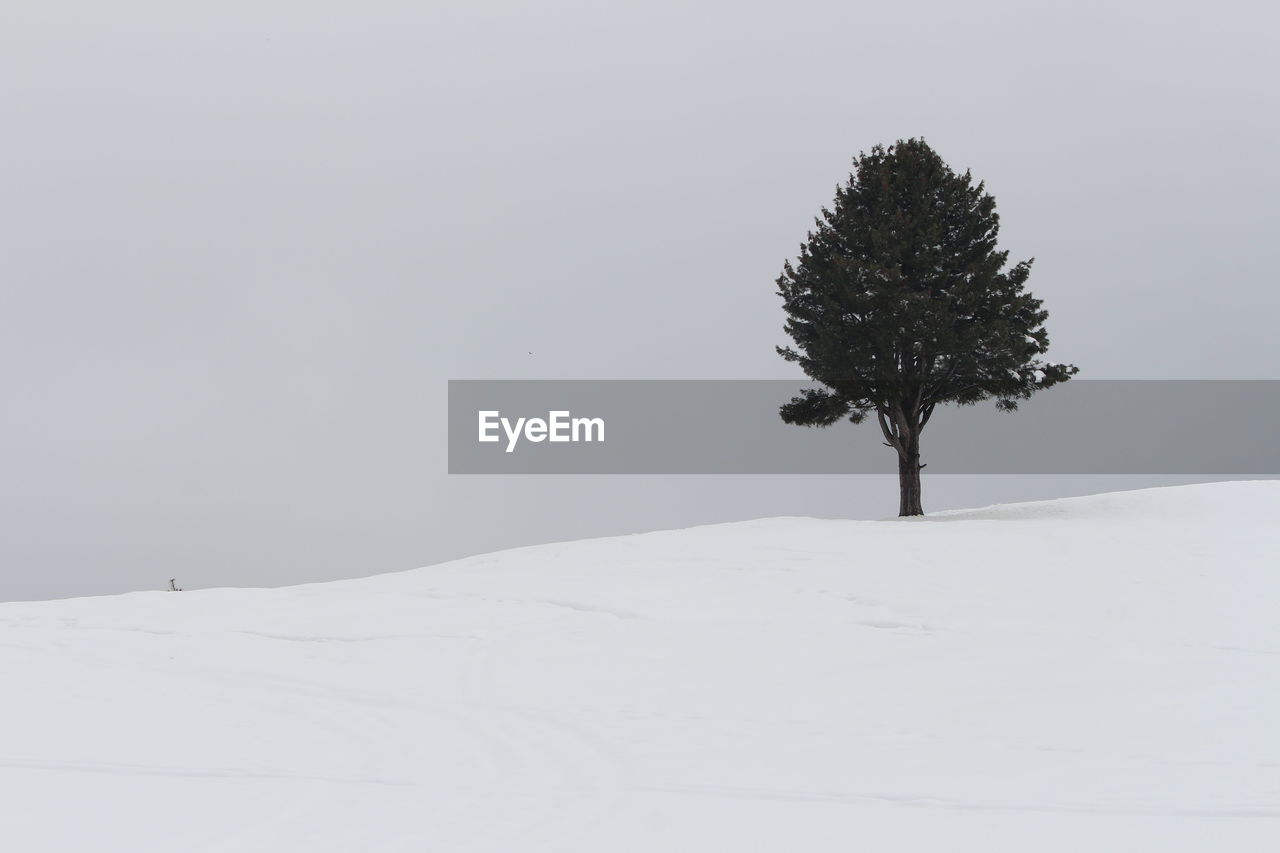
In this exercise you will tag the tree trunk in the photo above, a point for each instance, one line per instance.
(909, 478)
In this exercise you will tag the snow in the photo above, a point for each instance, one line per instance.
(1090, 674)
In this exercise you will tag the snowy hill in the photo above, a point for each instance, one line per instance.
(1092, 674)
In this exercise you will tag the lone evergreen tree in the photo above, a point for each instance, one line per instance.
(900, 301)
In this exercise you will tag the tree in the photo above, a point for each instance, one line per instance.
(900, 302)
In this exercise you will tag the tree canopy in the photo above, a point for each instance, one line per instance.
(900, 301)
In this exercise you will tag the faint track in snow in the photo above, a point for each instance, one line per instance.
(124, 769)
(571, 783)
(396, 740)
(928, 802)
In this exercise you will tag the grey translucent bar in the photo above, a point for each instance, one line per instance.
(1226, 427)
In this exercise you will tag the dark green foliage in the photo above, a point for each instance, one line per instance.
(900, 301)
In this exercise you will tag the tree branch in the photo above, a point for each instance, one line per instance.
(891, 439)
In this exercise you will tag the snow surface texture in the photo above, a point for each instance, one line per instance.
(1092, 674)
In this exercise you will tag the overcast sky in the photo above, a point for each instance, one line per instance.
(245, 244)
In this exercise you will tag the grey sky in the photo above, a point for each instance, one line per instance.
(245, 244)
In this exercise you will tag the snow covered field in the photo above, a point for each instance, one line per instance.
(1092, 674)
